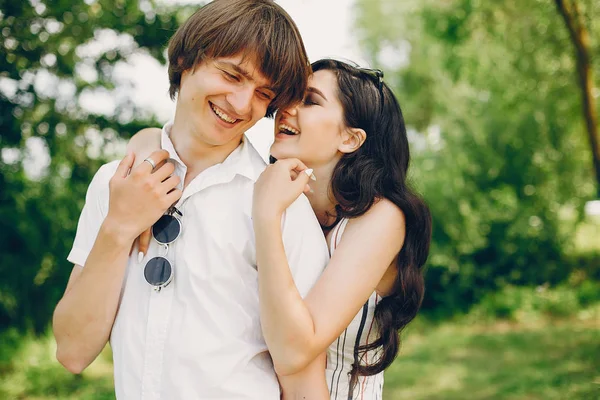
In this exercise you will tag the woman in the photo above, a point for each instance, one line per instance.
(350, 132)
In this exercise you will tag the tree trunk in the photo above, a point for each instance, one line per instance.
(580, 38)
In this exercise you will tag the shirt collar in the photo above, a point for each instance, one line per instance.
(244, 160)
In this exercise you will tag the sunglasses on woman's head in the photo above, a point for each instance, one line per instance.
(375, 73)
(377, 76)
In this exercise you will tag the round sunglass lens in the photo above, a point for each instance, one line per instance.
(166, 229)
(158, 271)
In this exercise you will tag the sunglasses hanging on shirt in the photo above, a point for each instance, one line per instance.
(158, 271)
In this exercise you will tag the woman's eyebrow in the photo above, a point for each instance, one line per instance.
(311, 89)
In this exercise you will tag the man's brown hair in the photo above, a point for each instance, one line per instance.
(259, 29)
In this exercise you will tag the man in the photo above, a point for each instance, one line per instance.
(184, 322)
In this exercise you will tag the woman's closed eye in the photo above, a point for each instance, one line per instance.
(309, 100)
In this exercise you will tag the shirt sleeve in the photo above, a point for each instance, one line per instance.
(305, 245)
(92, 215)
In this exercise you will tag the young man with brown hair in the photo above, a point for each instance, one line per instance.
(184, 322)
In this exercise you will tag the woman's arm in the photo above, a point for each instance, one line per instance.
(308, 384)
(297, 330)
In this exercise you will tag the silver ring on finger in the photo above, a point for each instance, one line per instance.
(151, 162)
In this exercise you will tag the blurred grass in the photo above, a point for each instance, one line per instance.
(461, 359)
(502, 360)
(29, 370)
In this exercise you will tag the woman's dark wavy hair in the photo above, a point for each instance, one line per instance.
(378, 170)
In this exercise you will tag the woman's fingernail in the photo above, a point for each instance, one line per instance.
(140, 257)
(309, 172)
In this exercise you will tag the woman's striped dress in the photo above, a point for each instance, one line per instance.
(343, 351)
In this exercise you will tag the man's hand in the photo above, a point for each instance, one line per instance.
(139, 198)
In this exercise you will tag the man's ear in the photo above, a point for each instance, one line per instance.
(353, 138)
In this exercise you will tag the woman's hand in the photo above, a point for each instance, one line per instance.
(278, 187)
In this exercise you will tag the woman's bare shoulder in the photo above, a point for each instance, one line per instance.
(145, 138)
(144, 142)
(383, 214)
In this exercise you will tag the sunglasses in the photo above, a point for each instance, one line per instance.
(377, 74)
(158, 271)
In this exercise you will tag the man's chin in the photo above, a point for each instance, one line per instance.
(220, 138)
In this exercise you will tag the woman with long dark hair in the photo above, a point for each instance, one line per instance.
(350, 132)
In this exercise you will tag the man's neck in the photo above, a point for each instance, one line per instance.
(195, 153)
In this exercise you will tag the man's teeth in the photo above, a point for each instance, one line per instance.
(284, 127)
(223, 116)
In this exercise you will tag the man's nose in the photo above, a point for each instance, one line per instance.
(291, 110)
(241, 100)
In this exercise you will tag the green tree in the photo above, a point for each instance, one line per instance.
(576, 20)
(499, 154)
(42, 41)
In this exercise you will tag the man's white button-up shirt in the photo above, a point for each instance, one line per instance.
(200, 337)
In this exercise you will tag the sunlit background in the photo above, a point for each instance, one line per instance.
(502, 115)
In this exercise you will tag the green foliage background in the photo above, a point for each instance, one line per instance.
(500, 153)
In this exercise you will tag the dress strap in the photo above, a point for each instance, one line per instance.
(336, 235)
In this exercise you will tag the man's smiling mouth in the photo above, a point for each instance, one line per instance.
(222, 115)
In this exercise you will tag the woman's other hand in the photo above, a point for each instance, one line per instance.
(278, 187)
